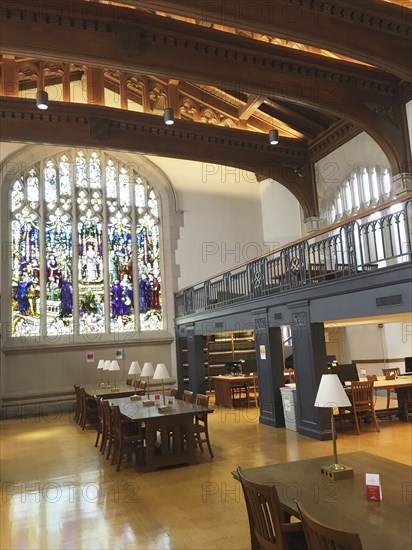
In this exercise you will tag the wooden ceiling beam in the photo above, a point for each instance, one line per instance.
(95, 126)
(293, 118)
(372, 31)
(253, 103)
(127, 40)
(220, 105)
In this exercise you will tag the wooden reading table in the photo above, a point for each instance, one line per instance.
(176, 429)
(124, 390)
(225, 383)
(342, 504)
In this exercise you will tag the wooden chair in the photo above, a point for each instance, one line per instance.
(268, 522)
(188, 396)
(173, 392)
(253, 393)
(321, 537)
(201, 424)
(127, 437)
(363, 403)
(405, 402)
(99, 425)
(107, 430)
(390, 374)
(78, 409)
(88, 409)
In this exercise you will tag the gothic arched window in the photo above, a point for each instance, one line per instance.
(85, 248)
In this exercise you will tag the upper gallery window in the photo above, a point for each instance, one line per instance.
(364, 188)
(86, 248)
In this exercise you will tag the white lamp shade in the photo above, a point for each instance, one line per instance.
(160, 372)
(106, 365)
(135, 368)
(100, 364)
(114, 365)
(331, 393)
(147, 370)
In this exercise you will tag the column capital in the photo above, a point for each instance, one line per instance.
(312, 224)
(402, 183)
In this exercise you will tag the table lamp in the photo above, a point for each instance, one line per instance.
(100, 366)
(106, 367)
(135, 369)
(331, 394)
(160, 374)
(147, 372)
(114, 366)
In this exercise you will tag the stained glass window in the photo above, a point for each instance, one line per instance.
(86, 251)
(148, 258)
(25, 244)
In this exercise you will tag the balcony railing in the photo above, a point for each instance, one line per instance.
(377, 239)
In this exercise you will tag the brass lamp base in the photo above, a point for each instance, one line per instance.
(148, 403)
(135, 397)
(337, 471)
(114, 389)
(165, 408)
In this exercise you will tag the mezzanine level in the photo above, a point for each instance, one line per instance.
(373, 241)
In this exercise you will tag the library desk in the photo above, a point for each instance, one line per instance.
(176, 444)
(342, 504)
(223, 387)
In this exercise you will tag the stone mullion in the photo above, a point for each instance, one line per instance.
(135, 266)
(75, 249)
(104, 215)
(43, 257)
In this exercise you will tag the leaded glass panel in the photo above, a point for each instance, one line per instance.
(122, 316)
(25, 273)
(150, 289)
(88, 219)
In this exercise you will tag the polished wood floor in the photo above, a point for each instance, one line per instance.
(58, 492)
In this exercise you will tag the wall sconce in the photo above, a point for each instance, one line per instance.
(42, 100)
(273, 137)
(169, 116)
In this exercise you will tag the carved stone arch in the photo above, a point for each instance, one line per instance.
(19, 161)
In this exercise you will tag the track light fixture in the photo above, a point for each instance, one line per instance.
(273, 137)
(42, 100)
(169, 116)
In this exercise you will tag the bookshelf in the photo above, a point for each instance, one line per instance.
(218, 350)
(230, 346)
